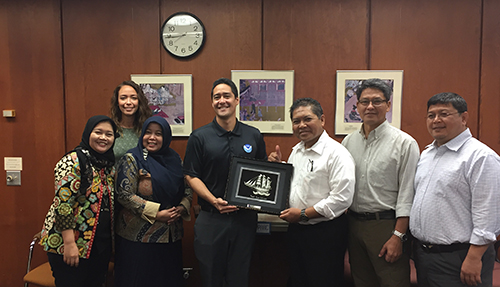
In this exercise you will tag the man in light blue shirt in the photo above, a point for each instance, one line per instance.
(456, 211)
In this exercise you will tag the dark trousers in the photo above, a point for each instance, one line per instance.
(223, 245)
(89, 273)
(443, 269)
(317, 253)
(140, 264)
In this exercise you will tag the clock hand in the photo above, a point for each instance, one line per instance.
(183, 34)
(178, 35)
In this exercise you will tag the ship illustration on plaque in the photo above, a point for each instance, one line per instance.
(257, 184)
(260, 185)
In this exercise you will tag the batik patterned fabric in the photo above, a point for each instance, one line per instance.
(71, 209)
(136, 221)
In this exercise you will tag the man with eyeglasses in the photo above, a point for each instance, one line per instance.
(455, 216)
(321, 191)
(386, 159)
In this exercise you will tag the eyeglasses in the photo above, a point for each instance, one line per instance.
(375, 102)
(441, 115)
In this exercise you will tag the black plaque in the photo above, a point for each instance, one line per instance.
(259, 185)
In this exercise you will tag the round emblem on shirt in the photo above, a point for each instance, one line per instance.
(247, 148)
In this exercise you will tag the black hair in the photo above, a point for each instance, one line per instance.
(307, 102)
(227, 82)
(375, 83)
(455, 100)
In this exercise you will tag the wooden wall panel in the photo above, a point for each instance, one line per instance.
(233, 42)
(437, 44)
(31, 81)
(315, 39)
(489, 104)
(104, 42)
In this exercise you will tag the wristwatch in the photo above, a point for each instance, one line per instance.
(303, 215)
(401, 235)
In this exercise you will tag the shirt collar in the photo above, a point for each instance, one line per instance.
(317, 147)
(221, 132)
(377, 132)
(455, 143)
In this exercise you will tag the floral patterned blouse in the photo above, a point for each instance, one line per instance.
(136, 218)
(73, 210)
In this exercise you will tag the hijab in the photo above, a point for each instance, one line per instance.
(87, 156)
(164, 165)
(108, 156)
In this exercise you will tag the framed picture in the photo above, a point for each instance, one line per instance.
(347, 118)
(259, 185)
(169, 96)
(265, 97)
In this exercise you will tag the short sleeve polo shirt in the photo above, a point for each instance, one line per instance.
(210, 149)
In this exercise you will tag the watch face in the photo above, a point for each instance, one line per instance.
(183, 34)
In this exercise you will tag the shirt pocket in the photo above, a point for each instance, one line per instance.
(383, 173)
(446, 181)
(312, 180)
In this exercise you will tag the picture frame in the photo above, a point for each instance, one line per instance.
(169, 96)
(259, 185)
(265, 97)
(347, 118)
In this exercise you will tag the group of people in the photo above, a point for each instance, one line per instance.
(370, 191)
(364, 194)
(127, 159)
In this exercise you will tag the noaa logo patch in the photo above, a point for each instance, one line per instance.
(247, 148)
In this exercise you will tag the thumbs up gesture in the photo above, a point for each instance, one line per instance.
(275, 155)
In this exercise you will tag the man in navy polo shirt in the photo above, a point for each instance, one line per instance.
(224, 234)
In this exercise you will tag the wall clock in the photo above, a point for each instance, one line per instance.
(183, 35)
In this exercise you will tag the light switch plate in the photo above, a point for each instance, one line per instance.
(14, 177)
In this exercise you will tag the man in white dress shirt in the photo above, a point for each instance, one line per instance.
(456, 211)
(322, 190)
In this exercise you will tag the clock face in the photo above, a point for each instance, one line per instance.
(183, 34)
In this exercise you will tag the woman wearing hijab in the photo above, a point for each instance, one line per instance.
(150, 189)
(78, 229)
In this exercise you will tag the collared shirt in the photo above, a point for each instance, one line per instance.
(385, 169)
(457, 193)
(323, 177)
(210, 149)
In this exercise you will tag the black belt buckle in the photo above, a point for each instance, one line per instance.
(371, 216)
(361, 216)
(436, 248)
(426, 247)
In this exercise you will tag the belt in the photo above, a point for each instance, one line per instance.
(388, 214)
(437, 248)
